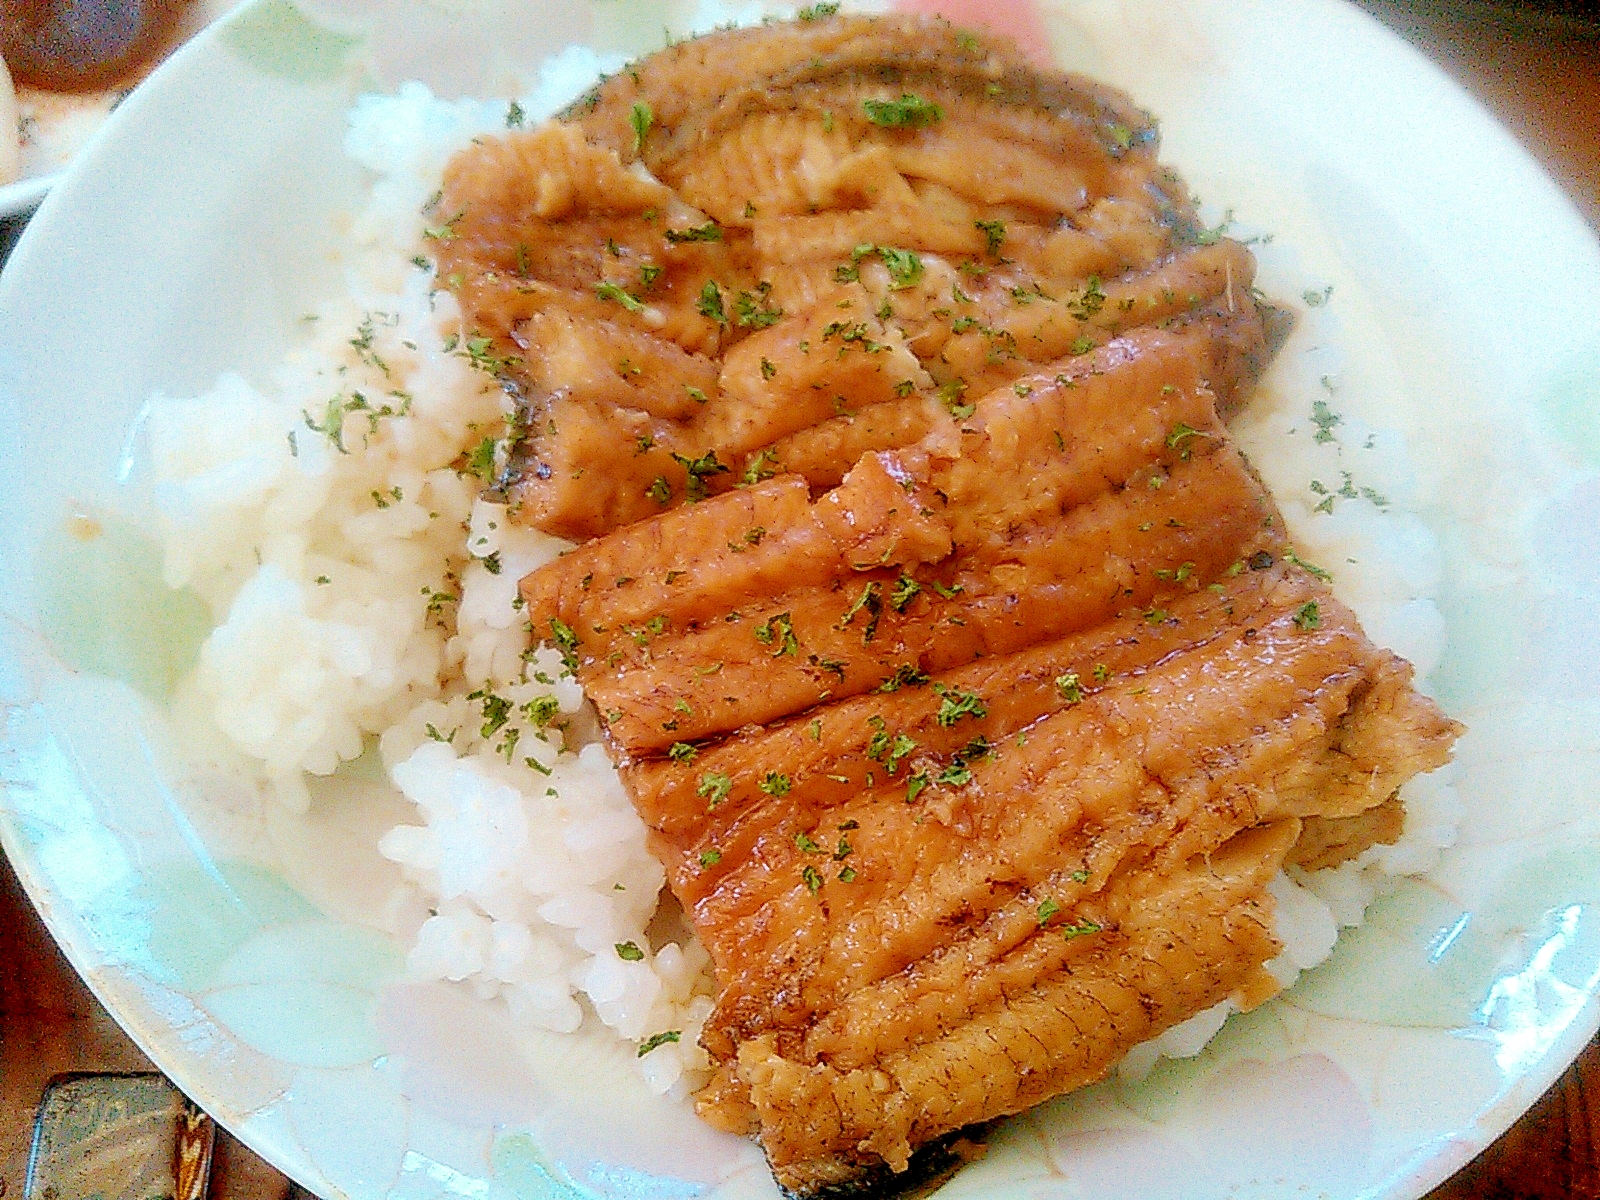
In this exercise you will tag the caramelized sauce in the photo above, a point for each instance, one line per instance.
(86, 45)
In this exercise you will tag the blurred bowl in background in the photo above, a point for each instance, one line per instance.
(64, 65)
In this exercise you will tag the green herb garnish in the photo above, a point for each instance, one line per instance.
(657, 1040)
(641, 118)
(908, 112)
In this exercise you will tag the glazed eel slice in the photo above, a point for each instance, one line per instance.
(1104, 484)
(971, 773)
(707, 274)
(978, 891)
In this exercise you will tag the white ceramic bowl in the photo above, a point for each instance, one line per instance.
(203, 221)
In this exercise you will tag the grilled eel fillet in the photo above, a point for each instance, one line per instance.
(723, 266)
(960, 827)
(951, 650)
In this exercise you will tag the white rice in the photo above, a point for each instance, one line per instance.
(365, 594)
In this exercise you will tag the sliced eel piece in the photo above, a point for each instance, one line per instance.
(837, 750)
(1098, 487)
(699, 90)
(694, 566)
(695, 214)
(625, 450)
(1056, 439)
(608, 363)
(1228, 727)
(1328, 841)
(1191, 943)
(1176, 776)
(805, 370)
(823, 453)
(950, 649)
(546, 219)
(759, 662)
(1021, 456)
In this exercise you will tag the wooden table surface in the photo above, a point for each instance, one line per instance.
(1543, 82)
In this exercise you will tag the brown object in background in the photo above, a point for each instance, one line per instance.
(49, 1026)
(1551, 1153)
(1539, 77)
(119, 1137)
(86, 45)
